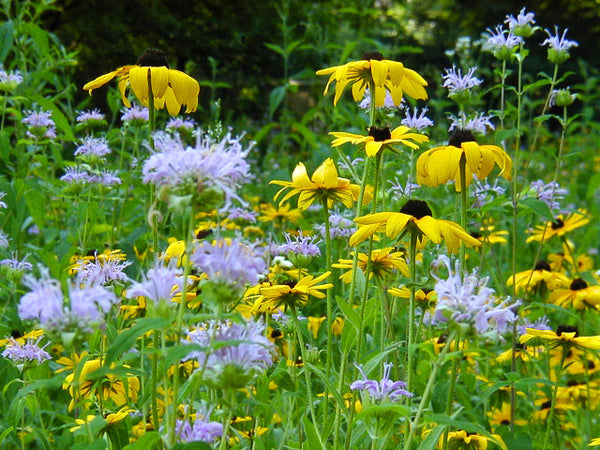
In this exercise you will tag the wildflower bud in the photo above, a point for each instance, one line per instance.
(562, 97)
(312, 354)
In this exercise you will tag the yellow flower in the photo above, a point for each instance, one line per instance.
(295, 294)
(314, 324)
(170, 87)
(323, 185)
(425, 298)
(561, 261)
(579, 295)
(501, 416)
(544, 404)
(108, 386)
(383, 262)
(81, 422)
(417, 215)
(32, 335)
(337, 326)
(382, 73)
(532, 279)
(462, 440)
(379, 137)
(176, 249)
(559, 227)
(565, 335)
(441, 164)
(119, 415)
(488, 235)
(594, 442)
(78, 262)
(278, 215)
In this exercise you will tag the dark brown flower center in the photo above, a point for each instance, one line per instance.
(416, 208)
(290, 283)
(426, 290)
(546, 405)
(153, 57)
(567, 329)
(475, 234)
(276, 334)
(380, 134)
(16, 334)
(578, 284)
(442, 339)
(558, 224)
(505, 422)
(543, 265)
(203, 233)
(460, 136)
(372, 55)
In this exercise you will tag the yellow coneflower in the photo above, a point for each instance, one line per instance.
(532, 279)
(425, 298)
(559, 226)
(382, 73)
(323, 185)
(502, 416)
(380, 137)
(279, 214)
(566, 336)
(295, 293)
(579, 295)
(383, 263)
(441, 164)
(417, 215)
(170, 87)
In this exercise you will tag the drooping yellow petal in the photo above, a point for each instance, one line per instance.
(138, 80)
(159, 77)
(379, 71)
(100, 81)
(396, 223)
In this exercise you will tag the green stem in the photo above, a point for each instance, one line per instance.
(463, 203)
(155, 343)
(553, 401)
(428, 389)
(328, 262)
(453, 377)
(411, 306)
(306, 374)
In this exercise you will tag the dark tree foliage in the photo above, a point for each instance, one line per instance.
(108, 34)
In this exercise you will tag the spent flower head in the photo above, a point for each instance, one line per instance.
(558, 46)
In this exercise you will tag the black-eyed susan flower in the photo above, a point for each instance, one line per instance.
(462, 440)
(559, 226)
(579, 295)
(279, 214)
(488, 235)
(442, 164)
(502, 416)
(565, 335)
(380, 137)
(170, 87)
(544, 404)
(323, 185)
(295, 293)
(541, 277)
(415, 215)
(424, 297)
(522, 352)
(381, 73)
(383, 263)
(562, 261)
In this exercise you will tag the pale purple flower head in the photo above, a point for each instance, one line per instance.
(539, 324)
(233, 350)
(89, 304)
(40, 125)
(229, 261)
(388, 103)
(483, 192)
(383, 390)
(559, 43)
(136, 115)
(467, 301)
(27, 353)
(159, 283)
(479, 123)
(108, 178)
(4, 239)
(9, 80)
(14, 263)
(93, 147)
(102, 270)
(339, 226)
(403, 190)
(77, 175)
(502, 43)
(219, 165)
(418, 121)
(301, 245)
(242, 214)
(44, 302)
(457, 83)
(550, 193)
(522, 25)
(2, 204)
(201, 431)
(90, 118)
(179, 124)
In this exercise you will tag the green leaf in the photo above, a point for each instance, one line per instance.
(5, 433)
(146, 442)
(312, 437)
(283, 379)
(348, 339)
(351, 315)
(539, 207)
(275, 98)
(518, 439)
(7, 31)
(432, 438)
(98, 444)
(127, 338)
(275, 48)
